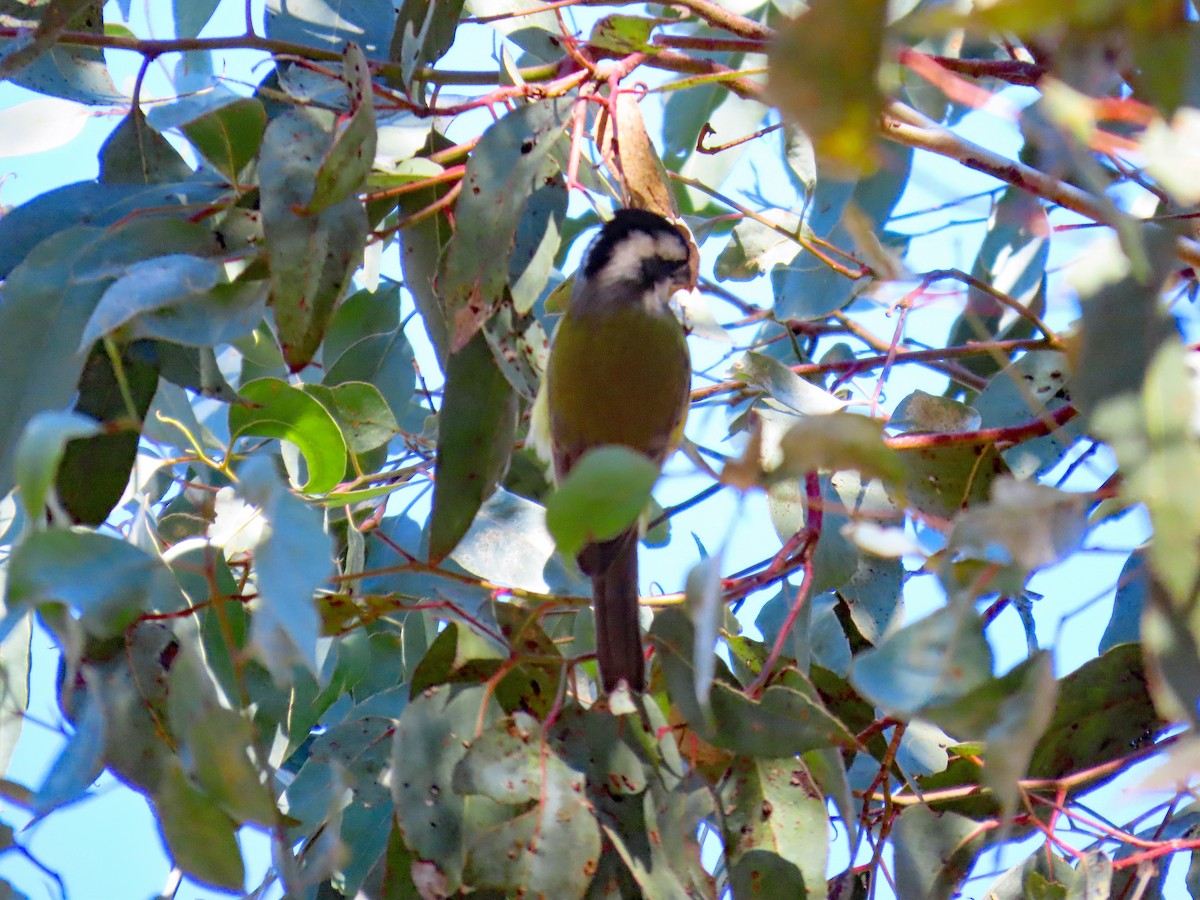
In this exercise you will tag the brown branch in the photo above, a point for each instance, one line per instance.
(1001, 297)
(719, 17)
(802, 545)
(708, 44)
(854, 366)
(671, 61)
(906, 126)
(1007, 434)
(1013, 71)
(153, 48)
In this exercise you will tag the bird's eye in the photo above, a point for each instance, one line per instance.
(659, 268)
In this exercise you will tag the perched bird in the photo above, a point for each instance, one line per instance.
(619, 373)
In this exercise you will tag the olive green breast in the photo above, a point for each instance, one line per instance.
(621, 377)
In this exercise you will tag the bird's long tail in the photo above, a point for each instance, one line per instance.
(618, 633)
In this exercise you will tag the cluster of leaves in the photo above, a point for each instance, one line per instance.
(214, 451)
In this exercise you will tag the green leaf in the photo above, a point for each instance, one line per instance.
(622, 34)
(604, 493)
(799, 159)
(539, 235)
(502, 173)
(1012, 260)
(729, 118)
(934, 660)
(1172, 658)
(219, 316)
(755, 249)
(806, 287)
(317, 24)
(41, 320)
(1009, 714)
(291, 563)
(557, 834)
(1122, 320)
(275, 409)
(457, 654)
(424, 31)
(149, 285)
(639, 834)
(824, 74)
(360, 749)
(607, 748)
(312, 255)
(352, 154)
(77, 766)
(837, 561)
(34, 60)
(96, 204)
(532, 28)
(1094, 876)
(875, 596)
(775, 824)
(704, 595)
(943, 479)
(1022, 16)
(1034, 386)
(784, 385)
(39, 452)
(105, 581)
(194, 368)
(1133, 588)
(431, 737)
(508, 544)
(1161, 460)
(1027, 524)
(934, 852)
(421, 247)
(47, 302)
(384, 361)
(229, 136)
(364, 834)
(362, 314)
(837, 441)
(94, 471)
(476, 428)
(221, 742)
(135, 153)
(192, 15)
(127, 678)
(56, 17)
(201, 839)
(789, 718)
(920, 412)
(360, 411)
(1103, 708)
(1044, 875)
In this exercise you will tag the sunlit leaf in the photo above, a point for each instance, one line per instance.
(312, 254)
(501, 175)
(934, 660)
(603, 494)
(228, 137)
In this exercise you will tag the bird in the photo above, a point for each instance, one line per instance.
(619, 373)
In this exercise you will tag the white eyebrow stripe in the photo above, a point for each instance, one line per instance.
(625, 262)
(670, 247)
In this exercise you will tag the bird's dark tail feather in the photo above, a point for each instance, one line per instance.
(618, 633)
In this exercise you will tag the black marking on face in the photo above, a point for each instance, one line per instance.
(639, 246)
